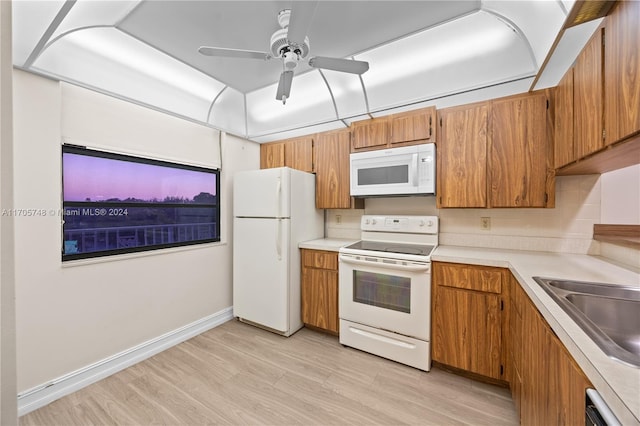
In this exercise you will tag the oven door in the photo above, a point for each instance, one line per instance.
(389, 294)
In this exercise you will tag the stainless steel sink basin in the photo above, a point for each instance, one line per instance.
(609, 314)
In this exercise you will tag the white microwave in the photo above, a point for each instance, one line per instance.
(409, 170)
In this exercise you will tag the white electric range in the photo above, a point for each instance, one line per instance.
(385, 288)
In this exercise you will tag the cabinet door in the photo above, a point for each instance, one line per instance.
(587, 86)
(461, 163)
(332, 170)
(298, 153)
(370, 134)
(271, 155)
(622, 71)
(414, 126)
(467, 330)
(516, 350)
(564, 143)
(319, 304)
(570, 384)
(550, 388)
(521, 172)
(320, 298)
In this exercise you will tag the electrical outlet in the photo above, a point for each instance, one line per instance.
(338, 219)
(485, 223)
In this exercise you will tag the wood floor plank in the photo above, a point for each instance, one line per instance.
(239, 374)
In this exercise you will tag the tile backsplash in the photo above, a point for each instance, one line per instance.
(566, 228)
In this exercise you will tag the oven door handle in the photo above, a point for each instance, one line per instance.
(396, 266)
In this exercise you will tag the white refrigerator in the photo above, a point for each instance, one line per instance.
(274, 210)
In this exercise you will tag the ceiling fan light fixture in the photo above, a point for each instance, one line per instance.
(290, 60)
(280, 45)
(283, 18)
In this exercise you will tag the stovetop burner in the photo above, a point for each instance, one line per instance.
(382, 246)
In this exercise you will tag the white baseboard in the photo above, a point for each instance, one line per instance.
(46, 393)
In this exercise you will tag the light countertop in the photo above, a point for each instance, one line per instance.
(618, 383)
(328, 244)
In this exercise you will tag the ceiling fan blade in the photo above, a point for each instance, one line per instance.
(301, 16)
(233, 53)
(337, 64)
(284, 86)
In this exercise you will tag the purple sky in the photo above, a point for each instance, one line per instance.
(100, 179)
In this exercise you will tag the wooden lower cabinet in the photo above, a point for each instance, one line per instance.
(484, 323)
(467, 318)
(320, 289)
(547, 385)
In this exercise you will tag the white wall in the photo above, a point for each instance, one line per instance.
(621, 196)
(70, 316)
(566, 228)
(581, 202)
(8, 407)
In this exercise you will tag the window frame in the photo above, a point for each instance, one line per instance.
(95, 205)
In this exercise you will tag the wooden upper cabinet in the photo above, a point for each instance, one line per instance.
(587, 89)
(296, 153)
(271, 155)
(332, 171)
(461, 163)
(521, 153)
(402, 129)
(622, 71)
(370, 134)
(418, 126)
(564, 152)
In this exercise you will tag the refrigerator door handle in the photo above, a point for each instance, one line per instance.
(279, 240)
(279, 197)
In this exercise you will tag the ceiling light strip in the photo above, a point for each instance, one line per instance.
(333, 99)
(364, 92)
(213, 102)
(133, 9)
(59, 78)
(53, 26)
(515, 80)
(59, 36)
(246, 117)
(169, 55)
(516, 29)
(562, 7)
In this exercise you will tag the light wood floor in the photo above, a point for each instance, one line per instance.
(239, 374)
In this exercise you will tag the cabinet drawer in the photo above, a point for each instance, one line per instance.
(468, 277)
(320, 259)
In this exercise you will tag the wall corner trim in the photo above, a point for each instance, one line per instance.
(46, 393)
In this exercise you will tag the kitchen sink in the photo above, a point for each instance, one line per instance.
(608, 313)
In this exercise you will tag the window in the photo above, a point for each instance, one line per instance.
(115, 203)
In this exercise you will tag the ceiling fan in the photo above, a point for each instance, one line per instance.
(291, 45)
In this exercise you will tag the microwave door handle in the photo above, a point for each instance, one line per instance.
(414, 171)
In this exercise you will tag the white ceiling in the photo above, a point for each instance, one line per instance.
(419, 52)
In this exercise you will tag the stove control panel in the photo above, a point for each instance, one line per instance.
(407, 224)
